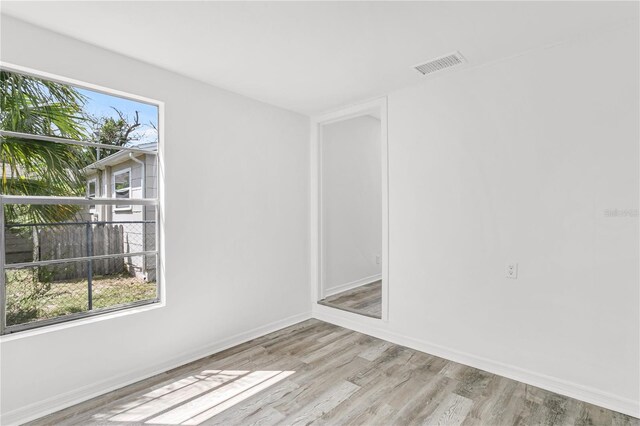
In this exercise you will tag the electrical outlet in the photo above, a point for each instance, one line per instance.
(378, 259)
(512, 270)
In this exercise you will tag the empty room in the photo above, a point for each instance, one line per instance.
(331, 213)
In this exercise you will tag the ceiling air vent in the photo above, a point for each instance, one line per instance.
(438, 64)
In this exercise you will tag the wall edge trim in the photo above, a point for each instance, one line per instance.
(351, 285)
(563, 387)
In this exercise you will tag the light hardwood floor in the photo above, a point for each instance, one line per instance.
(318, 373)
(363, 300)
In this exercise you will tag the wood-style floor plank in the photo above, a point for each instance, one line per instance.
(364, 300)
(317, 373)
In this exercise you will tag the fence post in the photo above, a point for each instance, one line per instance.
(89, 266)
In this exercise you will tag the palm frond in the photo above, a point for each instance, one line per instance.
(41, 107)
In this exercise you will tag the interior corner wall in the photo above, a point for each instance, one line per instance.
(351, 203)
(236, 231)
(531, 160)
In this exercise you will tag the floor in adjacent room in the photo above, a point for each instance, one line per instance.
(363, 300)
(315, 372)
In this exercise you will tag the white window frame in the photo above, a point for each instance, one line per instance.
(121, 208)
(92, 208)
(77, 319)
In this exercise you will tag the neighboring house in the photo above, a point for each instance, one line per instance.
(128, 175)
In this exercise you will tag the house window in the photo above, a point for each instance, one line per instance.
(92, 184)
(122, 188)
(56, 264)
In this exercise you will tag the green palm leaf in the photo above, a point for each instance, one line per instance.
(41, 107)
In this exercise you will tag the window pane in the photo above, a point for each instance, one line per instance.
(39, 293)
(46, 108)
(122, 181)
(82, 234)
(91, 191)
(35, 293)
(58, 233)
(122, 193)
(43, 107)
(50, 169)
(43, 168)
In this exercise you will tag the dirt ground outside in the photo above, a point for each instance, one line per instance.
(29, 299)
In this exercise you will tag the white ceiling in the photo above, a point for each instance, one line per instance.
(311, 57)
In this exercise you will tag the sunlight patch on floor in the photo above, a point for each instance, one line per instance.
(194, 399)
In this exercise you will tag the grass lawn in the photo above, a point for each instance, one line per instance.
(30, 300)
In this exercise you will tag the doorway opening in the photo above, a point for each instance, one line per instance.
(351, 261)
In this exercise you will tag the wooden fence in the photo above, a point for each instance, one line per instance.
(18, 248)
(77, 241)
(68, 241)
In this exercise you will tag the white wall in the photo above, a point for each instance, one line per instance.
(236, 232)
(519, 161)
(351, 203)
(516, 161)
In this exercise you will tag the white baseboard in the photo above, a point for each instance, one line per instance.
(353, 284)
(78, 395)
(553, 384)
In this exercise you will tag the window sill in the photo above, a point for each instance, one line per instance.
(79, 322)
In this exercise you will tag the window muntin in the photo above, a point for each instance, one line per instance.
(79, 237)
(61, 272)
(69, 297)
(30, 166)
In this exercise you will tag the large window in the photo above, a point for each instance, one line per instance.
(79, 201)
